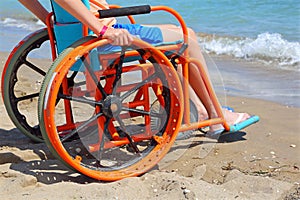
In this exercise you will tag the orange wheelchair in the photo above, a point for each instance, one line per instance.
(108, 112)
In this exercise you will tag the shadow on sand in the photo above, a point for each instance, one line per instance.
(35, 159)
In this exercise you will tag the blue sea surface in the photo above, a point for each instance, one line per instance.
(235, 17)
(266, 31)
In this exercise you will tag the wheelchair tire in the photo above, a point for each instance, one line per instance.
(21, 80)
(88, 116)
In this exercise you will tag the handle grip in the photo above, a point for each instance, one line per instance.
(125, 11)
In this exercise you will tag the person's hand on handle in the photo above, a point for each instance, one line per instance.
(117, 36)
(80, 11)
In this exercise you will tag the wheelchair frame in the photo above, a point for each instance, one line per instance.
(158, 144)
(187, 125)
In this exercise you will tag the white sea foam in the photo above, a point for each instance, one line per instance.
(29, 25)
(267, 47)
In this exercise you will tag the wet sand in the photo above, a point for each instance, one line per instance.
(260, 162)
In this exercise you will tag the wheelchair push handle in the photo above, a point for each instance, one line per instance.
(125, 11)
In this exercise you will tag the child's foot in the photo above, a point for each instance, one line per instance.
(231, 118)
(234, 117)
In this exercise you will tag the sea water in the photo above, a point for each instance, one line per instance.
(263, 31)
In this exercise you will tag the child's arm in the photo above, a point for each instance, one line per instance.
(79, 11)
(36, 8)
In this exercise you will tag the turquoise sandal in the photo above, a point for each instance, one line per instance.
(233, 128)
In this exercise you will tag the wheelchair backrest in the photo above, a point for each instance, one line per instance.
(67, 29)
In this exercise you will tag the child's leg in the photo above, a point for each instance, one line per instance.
(172, 33)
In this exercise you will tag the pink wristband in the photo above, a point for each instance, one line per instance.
(103, 30)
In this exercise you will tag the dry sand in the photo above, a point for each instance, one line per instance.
(262, 162)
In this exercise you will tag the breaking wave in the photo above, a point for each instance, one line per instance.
(267, 47)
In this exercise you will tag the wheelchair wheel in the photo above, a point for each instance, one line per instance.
(88, 114)
(21, 81)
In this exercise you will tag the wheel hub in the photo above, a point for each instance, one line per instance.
(112, 106)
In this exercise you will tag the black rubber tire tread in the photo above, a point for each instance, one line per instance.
(28, 42)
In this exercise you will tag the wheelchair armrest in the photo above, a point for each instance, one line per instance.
(124, 11)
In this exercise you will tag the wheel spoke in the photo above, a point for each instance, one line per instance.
(138, 86)
(81, 127)
(35, 68)
(118, 67)
(143, 112)
(94, 77)
(105, 132)
(131, 142)
(26, 97)
(73, 75)
(80, 99)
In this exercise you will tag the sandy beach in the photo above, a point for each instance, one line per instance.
(260, 162)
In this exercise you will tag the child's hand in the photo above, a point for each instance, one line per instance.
(118, 36)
